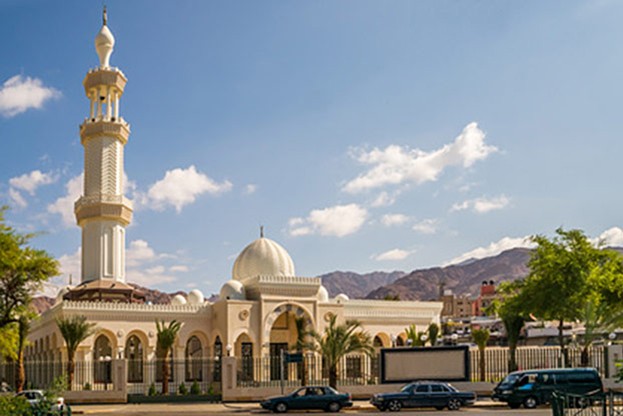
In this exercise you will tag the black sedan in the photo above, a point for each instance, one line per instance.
(424, 394)
(308, 398)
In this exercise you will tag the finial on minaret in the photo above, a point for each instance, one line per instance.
(104, 42)
(261, 231)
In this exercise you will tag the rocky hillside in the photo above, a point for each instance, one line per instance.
(462, 278)
(355, 285)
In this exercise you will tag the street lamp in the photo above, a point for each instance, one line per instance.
(454, 337)
(229, 348)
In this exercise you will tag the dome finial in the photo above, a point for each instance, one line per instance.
(104, 42)
(104, 16)
(261, 231)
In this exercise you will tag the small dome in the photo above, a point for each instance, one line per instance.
(104, 43)
(263, 257)
(233, 289)
(195, 297)
(323, 294)
(341, 298)
(178, 300)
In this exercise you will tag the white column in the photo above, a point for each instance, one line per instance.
(108, 104)
(116, 105)
(92, 99)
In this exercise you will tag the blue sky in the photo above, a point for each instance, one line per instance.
(364, 136)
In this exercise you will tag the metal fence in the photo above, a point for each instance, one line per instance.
(530, 358)
(596, 404)
(364, 369)
(355, 369)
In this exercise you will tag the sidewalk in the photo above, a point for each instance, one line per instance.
(202, 408)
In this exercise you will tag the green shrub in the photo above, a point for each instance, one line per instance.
(152, 390)
(195, 389)
(87, 386)
(182, 390)
(14, 406)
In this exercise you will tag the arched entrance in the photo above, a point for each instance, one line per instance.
(134, 355)
(102, 366)
(194, 359)
(243, 348)
(285, 330)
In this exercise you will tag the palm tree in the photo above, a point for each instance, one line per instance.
(481, 337)
(338, 341)
(433, 333)
(416, 337)
(74, 330)
(165, 340)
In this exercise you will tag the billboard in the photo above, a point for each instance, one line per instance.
(401, 365)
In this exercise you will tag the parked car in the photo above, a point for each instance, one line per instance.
(37, 398)
(534, 387)
(307, 398)
(424, 394)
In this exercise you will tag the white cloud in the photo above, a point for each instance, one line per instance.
(392, 255)
(384, 199)
(139, 252)
(65, 204)
(17, 198)
(181, 187)
(250, 189)
(394, 219)
(482, 205)
(29, 182)
(150, 276)
(180, 268)
(612, 237)
(428, 226)
(19, 94)
(493, 249)
(339, 221)
(395, 164)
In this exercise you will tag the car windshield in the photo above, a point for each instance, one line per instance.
(407, 388)
(510, 379)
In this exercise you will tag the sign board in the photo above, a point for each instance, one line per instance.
(295, 357)
(402, 365)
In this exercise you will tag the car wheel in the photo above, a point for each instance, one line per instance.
(454, 404)
(394, 406)
(530, 402)
(281, 407)
(333, 407)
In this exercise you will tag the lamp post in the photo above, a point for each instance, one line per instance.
(424, 338)
(229, 348)
(612, 336)
(454, 337)
(393, 341)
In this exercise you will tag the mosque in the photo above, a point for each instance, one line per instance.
(255, 313)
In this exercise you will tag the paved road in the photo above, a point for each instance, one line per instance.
(247, 409)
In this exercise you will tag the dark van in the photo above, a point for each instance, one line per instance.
(534, 387)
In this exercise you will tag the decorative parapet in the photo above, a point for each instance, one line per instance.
(116, 207)
(282, 285)
(385, 310)
(102, 126)
(111, 77)
(131, 307)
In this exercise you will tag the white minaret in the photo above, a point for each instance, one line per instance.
(102, 211)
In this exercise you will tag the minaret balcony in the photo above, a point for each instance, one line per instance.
(109, 77)
(102, 126)
(102, 206)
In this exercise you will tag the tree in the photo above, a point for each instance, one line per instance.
(23, 270)
(510, 307)
(164, 342)
(561, 272)
(417, 338)
(23, 327)
(74, 330)
(481, 337)
(433, 333)
(339, 341)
